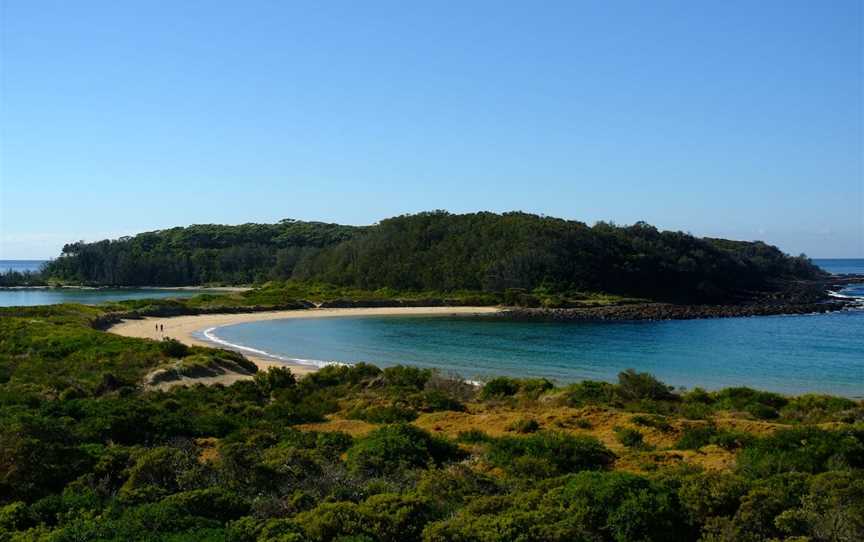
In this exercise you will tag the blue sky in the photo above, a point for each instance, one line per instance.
(738, 119)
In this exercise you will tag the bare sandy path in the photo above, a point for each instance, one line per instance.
(183, 327)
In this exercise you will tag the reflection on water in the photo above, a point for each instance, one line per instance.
(24, 297)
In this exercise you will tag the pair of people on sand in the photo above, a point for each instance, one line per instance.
(159, 328)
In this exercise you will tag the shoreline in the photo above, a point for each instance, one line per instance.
(652, 312)
(96, 288)
(183, 329)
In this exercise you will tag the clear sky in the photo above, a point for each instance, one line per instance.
(739, 119)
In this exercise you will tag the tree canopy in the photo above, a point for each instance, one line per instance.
(440, 251)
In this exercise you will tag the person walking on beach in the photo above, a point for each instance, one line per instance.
(162, 328)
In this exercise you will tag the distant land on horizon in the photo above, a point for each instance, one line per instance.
(442, 252)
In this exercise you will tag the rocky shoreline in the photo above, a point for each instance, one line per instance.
(668, 311)
(810, 297)
(799, 298)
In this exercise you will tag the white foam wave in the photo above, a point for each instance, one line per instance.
(838, 295)
(212, 337)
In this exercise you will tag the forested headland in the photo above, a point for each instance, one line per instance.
(442, 252)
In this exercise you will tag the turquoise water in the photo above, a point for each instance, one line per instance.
(788, 354)
(27, 297)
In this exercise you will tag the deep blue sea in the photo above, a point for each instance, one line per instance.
(840, 266)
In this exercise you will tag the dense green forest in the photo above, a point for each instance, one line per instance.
(12, 278)
(400, 454)
(195, 255)
(439, 251)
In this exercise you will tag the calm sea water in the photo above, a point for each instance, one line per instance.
(840, 266)
(789, 354)
(28, 297)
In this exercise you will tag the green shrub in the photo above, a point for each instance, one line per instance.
(173, 348)
(762, 412)
(695, 437)
(393, 448)
(814, 408)
(331, 521)
(13, 517)
(631, 438)
(499, 387)
(589, 392)
(759, 509)
(657, 422)
(698, 395)
(274, 378)
(534, 387)
(436, 400)
(694, 410)
(547, 453)
(635, 386)
(213, 503)
(331, 444)
(623, 507)
(406, 378)
(709, 494)
(385, 518)
(742, 398)
(525, 425)
(154, 474)
(383, 414)
(732, 440)
(332, 376)
(396, 518)
(456, 486)
(831, 509)
(453, 387)
(473, 436)
(806, 449)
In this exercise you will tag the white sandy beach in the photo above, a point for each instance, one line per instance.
(183, 327)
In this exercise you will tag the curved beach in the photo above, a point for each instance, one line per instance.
(183, 328)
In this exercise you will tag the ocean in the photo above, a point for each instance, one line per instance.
(21, 265)
(841, 266)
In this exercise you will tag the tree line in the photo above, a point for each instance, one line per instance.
(443, 252)
(199, 254)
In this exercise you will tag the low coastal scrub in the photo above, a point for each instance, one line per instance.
(89, 452)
